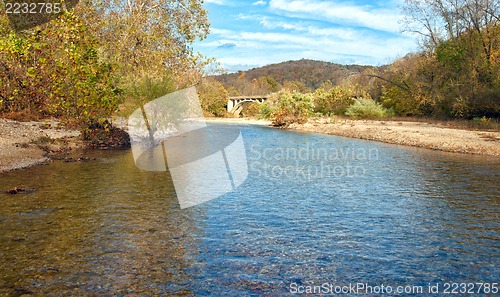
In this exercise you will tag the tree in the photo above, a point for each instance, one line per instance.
(288, 107)
(56, 71)
(334, 101)
(213, 97)
(150, 37)
(268, 85)
(443, 20)
(297, 86)
(461, 39)
(326, 85)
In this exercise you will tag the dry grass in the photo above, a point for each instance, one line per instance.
(489, 137)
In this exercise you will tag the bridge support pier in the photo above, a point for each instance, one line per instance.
(230, 105)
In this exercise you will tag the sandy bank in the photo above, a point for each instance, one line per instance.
(22, 143)
(418, 134)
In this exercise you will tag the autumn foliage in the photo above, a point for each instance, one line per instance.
(56, 71)
(85, 64)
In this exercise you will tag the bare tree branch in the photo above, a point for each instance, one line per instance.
(403, 87)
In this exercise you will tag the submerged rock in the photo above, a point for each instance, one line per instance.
(80, 159)
(17, 190)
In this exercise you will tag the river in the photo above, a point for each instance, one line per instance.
(315, 210)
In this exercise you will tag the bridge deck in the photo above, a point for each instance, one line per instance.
(234, 103)
(247, 97)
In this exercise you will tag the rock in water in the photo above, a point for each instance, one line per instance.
(17, 190)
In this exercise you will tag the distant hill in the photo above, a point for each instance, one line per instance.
(310, 72)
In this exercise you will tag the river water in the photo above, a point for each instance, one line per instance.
(314, 210)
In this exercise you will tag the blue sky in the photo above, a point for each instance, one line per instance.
(252, 33)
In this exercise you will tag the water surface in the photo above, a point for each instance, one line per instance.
(401, 216)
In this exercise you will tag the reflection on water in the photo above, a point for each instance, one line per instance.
(406, 217)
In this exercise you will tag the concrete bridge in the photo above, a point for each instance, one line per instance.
(235, 104)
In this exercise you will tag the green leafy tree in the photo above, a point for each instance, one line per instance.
(150, 37)
(55, 71)
(144, 90)
(213, 97)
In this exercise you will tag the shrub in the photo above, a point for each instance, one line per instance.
(334, 101)
(368, 109)
(484, 123)
(461, 108)
(251, 110)
(292, 108)
(266, 110)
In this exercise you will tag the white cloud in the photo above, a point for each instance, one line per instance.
(242, 16)
(260, 2)
(323, 45)
(339, 13)
(220, 31)
(342, 33)
(218, 2)
(312, 29)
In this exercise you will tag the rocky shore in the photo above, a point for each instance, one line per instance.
(418, 134)
(24, 144)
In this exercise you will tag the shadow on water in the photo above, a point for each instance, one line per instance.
(406, 217)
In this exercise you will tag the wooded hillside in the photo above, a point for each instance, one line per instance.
(310, 73)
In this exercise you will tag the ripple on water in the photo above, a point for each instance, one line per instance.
(106, 228)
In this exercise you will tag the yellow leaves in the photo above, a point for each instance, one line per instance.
(53, 70)
(495, 56)
(31, 72)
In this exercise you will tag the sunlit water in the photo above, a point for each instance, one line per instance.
(357, 212)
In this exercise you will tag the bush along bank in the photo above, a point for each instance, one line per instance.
(288, 107)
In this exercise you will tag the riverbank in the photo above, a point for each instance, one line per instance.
(430, 135)
(246, 121)
(24, 144)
